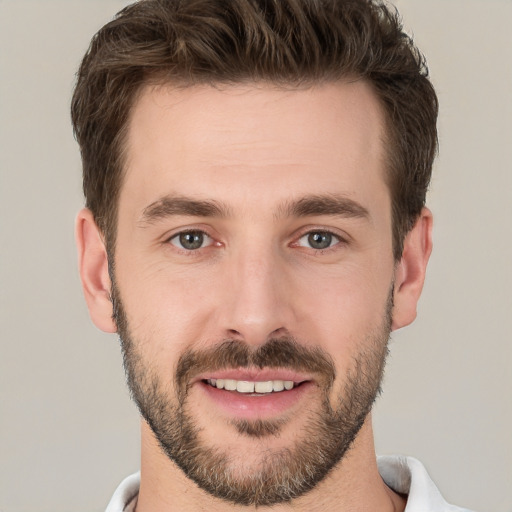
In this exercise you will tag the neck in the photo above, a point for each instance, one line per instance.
(354, 484)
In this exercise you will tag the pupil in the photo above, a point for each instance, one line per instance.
(320, 240)
(192, 240)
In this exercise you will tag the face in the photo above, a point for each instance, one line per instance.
(253, 279)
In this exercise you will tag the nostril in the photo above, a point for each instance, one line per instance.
(280, 332)
(235, 334)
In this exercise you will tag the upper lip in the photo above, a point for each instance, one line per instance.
(255, 375)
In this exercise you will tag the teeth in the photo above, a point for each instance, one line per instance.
(278, 385)
(263, 387)
(230, 385)
(244, 386)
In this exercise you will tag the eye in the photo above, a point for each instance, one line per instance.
(318, 240)
(191, 240)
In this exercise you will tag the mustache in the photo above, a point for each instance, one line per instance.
(276, 353)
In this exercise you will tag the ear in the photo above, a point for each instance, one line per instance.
(93, 267)
(410, 271)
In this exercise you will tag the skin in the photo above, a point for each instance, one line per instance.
(254, 149)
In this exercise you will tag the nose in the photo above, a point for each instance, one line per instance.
(257, 303)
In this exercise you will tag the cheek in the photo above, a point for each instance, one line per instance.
(164, 310)
(346, 315)
(352, 299)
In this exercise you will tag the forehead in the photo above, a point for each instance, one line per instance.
(238, 141)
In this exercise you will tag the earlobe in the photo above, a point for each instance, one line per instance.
(410, 271)
(93, 268)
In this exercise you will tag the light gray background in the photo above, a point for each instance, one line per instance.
(68, 431)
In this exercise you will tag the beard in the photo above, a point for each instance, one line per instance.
(280, 475)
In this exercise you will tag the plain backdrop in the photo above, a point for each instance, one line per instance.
(68, 430)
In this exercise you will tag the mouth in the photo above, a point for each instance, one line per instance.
(263, 387)
(256, 395)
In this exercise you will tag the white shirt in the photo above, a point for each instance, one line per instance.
(404, 475)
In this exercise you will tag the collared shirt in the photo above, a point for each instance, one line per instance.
(405, 475)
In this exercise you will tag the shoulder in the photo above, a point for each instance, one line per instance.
(407, 475)
(124, 498)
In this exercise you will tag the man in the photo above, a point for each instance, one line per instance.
(255, 226)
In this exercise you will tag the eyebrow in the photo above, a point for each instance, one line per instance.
(331, 204)
(307, 206)
(169, 206)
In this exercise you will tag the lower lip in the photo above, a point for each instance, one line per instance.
(251, 406)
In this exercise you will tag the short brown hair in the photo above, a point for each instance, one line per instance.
(285, 42)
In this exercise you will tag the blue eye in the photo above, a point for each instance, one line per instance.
(318, 240)
(191, 240)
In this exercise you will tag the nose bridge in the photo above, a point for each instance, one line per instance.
(257, 308)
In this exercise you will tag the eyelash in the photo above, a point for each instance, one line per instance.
(178, 235)
(338, 240)
(194, 251)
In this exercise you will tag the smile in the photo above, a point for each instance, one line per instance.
(256, 394)
(260, 387)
